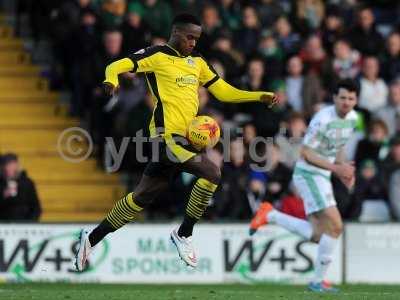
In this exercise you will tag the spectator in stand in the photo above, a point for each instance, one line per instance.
(64, 20)
(132, 123)
(223, 51)
(310, 12)
(248, 36)
(391, 59)
(85, 41)
(249, 135)
(233, 202)
(254, 80)
(390, 113)
(269, 11)
(158, 16)
(346, 62)
(290, 139)
(272, 182)
(102, 114)
(391, 163)
(110, 50)
(369, 188)
(364, 36)
(41, 27)
(18, 197)
(302, 91)
(135, 32)
(113, 12)
(288, 40)
(272, 54)
(373, 90)
(131, 93)
(229, 11)
(375, 146)
(332, 28)
(211, 26)
(313, 55)
(270, 122)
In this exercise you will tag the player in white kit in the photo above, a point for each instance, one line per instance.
(322, 154)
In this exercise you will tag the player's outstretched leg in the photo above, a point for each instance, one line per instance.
(267, 214)
(123, 212)
(209, 176)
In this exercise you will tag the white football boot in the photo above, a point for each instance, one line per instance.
(83, 251)
(185, 248)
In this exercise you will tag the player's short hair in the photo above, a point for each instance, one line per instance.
(184, 19)
(348, 84)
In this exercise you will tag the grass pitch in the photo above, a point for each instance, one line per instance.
(47, 291)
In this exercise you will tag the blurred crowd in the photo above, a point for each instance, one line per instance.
(299, 49)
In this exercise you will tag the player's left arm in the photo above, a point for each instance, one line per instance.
(225, 92)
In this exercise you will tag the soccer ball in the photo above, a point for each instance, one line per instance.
(203, 132)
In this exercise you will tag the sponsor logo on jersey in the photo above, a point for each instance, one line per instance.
(186, 80)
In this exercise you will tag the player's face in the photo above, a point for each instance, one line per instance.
(187, 38)
(345, 101)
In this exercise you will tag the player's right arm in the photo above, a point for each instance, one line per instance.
(114, 69)
(312, 140)
(343, 169)
(142, 61)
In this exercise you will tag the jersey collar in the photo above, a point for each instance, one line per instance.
(175, 51)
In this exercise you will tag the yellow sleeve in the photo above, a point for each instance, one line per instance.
(141, 61)
(224, 92)
(116, 68)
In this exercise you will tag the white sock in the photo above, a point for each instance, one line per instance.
(326, 247)
(295, 225)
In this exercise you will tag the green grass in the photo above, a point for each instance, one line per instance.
(46, 291)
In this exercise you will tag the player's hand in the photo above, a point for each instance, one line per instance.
(348, 182)
(345, 171)
(270, 99)
(109, 89)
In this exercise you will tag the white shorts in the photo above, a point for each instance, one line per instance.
(315, 190)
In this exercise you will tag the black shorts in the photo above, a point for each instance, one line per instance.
(168, 154)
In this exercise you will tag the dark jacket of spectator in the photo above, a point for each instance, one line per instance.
(390, 60)
(158, 16)
(20, 204)
(368, 149)
(367, 42)
(135, 32)
(369, 186)
(232, 202)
